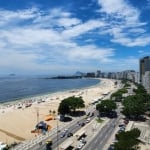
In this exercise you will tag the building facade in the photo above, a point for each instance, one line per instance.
(145, 72)
(144, 66)
(146, 81)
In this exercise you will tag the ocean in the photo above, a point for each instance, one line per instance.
(13, 88)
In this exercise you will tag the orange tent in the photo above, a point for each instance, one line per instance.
(49, 117)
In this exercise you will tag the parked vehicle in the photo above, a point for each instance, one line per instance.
(66, 130)
(63, 134)
(49, 144)
(88, 120)
(69, 134)
(80, 146)
(83, 141)
(82, 124)
(121, 125)
(92, 114)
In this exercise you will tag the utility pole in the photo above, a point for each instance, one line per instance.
(37, 115)
(57, 134)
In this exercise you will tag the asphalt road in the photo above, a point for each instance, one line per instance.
(56, 138)
(102, 137)
(100, 140)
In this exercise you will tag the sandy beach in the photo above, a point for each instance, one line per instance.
(17, 120)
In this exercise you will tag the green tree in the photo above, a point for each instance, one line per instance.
(70, 104)
(75, 103)
(63, 108)
(140, 89)
(106, 106)
(134, 106)
(118, 95)
(127, 140)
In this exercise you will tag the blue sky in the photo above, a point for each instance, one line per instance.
(65, 36)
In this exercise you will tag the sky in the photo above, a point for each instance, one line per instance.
(65, 36)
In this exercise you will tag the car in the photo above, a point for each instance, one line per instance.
(121, 125)
(119, 131)
(80, 146)
(88, 114)
(82, 140)
(122, 129)
(126, 122)
(92, 114)
(48, 144)
(63, 134)
(82, 124)
(87, 120)
(111, 147)
(66, 130)
(69, 134)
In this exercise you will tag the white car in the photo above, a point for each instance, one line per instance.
(80, 146)
(66, 130)
(87, 120)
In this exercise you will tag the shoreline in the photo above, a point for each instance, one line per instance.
(42, 95)
(21, 121)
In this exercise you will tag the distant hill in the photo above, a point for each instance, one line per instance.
(78, 73)
(12, 74)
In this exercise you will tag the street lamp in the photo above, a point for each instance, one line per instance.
(57, 133)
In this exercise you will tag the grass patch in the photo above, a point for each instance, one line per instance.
(99, 120)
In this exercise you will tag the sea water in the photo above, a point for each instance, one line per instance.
(13, 87)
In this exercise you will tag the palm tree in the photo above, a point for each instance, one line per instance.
(54, 112)
(50, 112)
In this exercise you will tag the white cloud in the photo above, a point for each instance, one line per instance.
(120, 9)
(47, 42)
(90, 52)
(140, 41)
(137, 30)
(68, 22)
(8, 17)
(124, 23)
(83, 28)
(36, 48)
(28, 37)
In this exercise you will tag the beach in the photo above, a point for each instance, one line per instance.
(19, 118)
